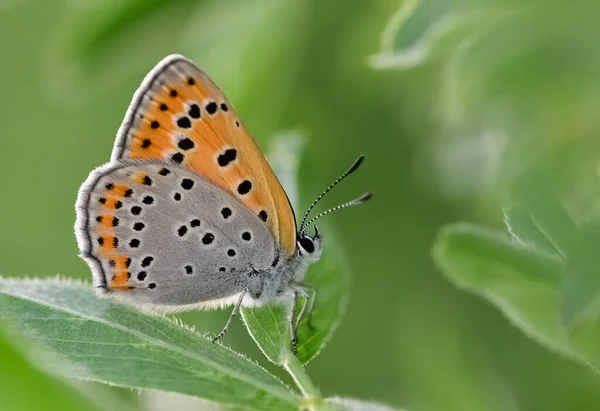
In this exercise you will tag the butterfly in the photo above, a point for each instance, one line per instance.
(188, 213)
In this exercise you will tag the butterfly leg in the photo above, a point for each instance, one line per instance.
(234, 312)
(309, 302)
(291, 317)
(311, 307)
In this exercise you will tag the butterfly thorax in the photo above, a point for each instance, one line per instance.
(278, 282)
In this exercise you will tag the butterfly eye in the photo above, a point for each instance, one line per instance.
(307, 245)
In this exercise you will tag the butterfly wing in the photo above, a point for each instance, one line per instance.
(179, 114)
(167, 235)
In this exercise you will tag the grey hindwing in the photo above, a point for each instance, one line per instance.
(189, 241)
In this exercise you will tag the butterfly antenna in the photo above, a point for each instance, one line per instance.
(363, 198)
(351, 170)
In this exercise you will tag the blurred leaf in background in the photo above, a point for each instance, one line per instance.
(499, 109)
(515, 125)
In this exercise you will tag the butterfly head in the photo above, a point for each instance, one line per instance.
(309, 246)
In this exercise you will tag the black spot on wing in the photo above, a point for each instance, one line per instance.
(244, 187)
(226, 212)
(187, 184)
(208, 238)
(227, 157)
(178, 158)
(194, 111)
(186, 144)
(181, 231)
(211, 108)
(147, 261)
(184, 122)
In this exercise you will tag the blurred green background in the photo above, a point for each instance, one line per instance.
(461, 108)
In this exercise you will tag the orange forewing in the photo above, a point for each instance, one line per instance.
(179, 114)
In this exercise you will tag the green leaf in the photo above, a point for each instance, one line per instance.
(18, 379)
(522, 282)
(548, 231)
(268, 325)
(98, 339)
(581, 288)
(544, 222)
(522, 227)
(548, 212)
(420, 30)
(556, 196)
(350, 404)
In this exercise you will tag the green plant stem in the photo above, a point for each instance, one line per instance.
(313, 400)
